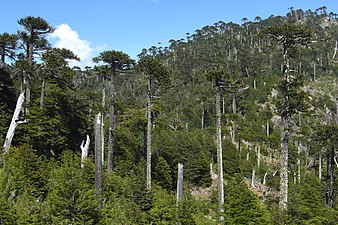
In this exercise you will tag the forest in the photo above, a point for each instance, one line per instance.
(231, 124)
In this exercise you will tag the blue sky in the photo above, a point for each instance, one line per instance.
(90, 26)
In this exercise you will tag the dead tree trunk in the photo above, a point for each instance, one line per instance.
(219, 151)
(149, 126)
(98, 158)
(84, 148)
(42, 96)
(179, 184)
(102, 124)
(14, 123)
(111, 135)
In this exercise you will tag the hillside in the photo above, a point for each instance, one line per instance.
(228, 87)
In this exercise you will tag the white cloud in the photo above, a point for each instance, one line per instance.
(155, 1)
(68, 38)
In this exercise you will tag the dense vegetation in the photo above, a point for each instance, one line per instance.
(171, 91)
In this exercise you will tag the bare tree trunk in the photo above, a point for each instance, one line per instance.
(84, 149)
(219, 151)
(264, 179)
(320, 165)
(42, 96)
(253, 178)
(258, 157)
(14, 123)
(298, 163)
(314, 71)
(179, 183)
(102, 124)
(234, 104)
(111, 133)
(202, 117)
(149, 126)
(98, 158)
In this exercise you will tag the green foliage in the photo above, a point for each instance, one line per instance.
(41, 182)
(307, 205)
(242, 207)
(71, 198)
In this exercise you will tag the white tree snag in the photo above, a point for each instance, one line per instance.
(149, 126)
(320, 165)
(335, 50)
(84, 148)
(179, 183)
(102, 124)
(14, 123)
(253, 179)
(98, 157)
(264, 179)
(258, 156)
(219, 151)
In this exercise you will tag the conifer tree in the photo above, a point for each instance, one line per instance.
(290, 37)
(223, 82)
(117, 62)
(155, 74)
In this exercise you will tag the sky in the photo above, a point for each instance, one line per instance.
(88, 27)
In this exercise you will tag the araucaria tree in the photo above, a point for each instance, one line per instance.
(291, 100)
(116, 61)
(223, 82)
(8, 44)
(155, 74)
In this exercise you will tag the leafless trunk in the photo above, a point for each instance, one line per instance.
(102, 124)
(298, 164)
(111, 133)
(84, 149)
(264, 179)
(180, 183)
(98, 157)
(149, 126)
(42, 96)
(219, 151)
(285, 137)
(14, 123)
(258, 156)
(320, 165)
(234, 104)
(202, 116)
(267, 128)
(314, 71)
(253, 178)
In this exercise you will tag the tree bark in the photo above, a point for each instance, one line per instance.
(98, 158)
(149, 126)
(285, 136)
(14, 123)
(219, 151)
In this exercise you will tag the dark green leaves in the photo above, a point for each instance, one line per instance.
(116, 60)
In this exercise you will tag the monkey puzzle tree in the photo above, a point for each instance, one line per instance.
(116, 61)
(55, 60)
(155, 74)
(33, 41)
(291, 100)
(223, 82)
(35, 28)
(8, 44)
